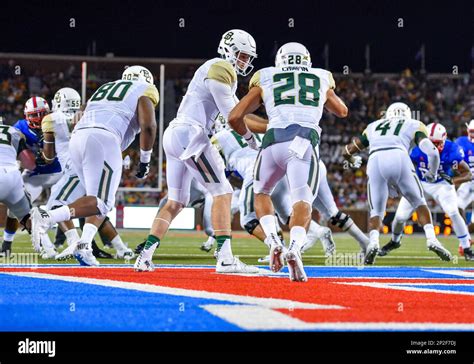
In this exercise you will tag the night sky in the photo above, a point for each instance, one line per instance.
(135, 28)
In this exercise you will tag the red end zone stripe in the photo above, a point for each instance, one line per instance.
(363, 304)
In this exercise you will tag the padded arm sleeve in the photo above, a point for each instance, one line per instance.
(430, 150)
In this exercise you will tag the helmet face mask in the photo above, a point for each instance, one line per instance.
(36, 108)
(239, 49)
(138, 73)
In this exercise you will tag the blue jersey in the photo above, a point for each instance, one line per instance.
(34, 141)
(450, 158)
(468, 149)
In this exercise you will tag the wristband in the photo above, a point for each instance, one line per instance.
(145, 155)
(248, 135)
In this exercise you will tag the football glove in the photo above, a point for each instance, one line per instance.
(355, 161)
(252, 142)
(430, 176)
(143, 170)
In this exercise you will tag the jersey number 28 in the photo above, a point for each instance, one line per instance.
(304, 88)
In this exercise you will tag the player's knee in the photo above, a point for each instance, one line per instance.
(104, 207)
(221, 189)
(251, 226)
(342, 220)
(302, 194)
(174, 207)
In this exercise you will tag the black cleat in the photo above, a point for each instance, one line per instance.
(468, 255)
(6, 248)
(387, 248)
(140, 247)
(98, 253)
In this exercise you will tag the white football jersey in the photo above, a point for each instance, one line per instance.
(114, 105)
(198, 106)
(293, 94)
(60, 124)
(237, 154)
(10, 138)
(393, 133)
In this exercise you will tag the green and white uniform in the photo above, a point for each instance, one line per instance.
(389, 168)
(294, 98)
(108, 126)
(189, 153)
(12, 192)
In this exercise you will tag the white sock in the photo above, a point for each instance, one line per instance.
(429, 232)
(397, 230)
(297, 236)
(314, 233)
(460, 228)
(226, 250)
(60, 214)
(117, 243)
(72, 236)
(374, 237)
(358, 235)
(268, 224)
(8, 236)
(88, 233)
(46, 242)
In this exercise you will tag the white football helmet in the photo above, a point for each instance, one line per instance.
(292, 54)
(138, 73)
(239, 48)
(398, 110)
(470, 130)
(36, 108)
(437, 134)
(66, 100)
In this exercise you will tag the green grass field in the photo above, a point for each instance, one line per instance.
(183, 248)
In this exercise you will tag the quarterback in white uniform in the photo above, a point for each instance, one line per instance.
(389, 171)
(190, 154)
(114, 114)
(294, 96)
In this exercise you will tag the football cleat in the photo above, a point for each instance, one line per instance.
(67, 253)
(295, 265)
(86, 258)
(99, 253)
(125, 254)
(461, 249)
(140, 247)
(143, 264)
(6, 249)
(235, 266)
(468, 254)
(436, 247)
(276, 253)
(40, 224)
(387, 248)
(48, 253)
(327, 242)
(371, 254)
(208, 244)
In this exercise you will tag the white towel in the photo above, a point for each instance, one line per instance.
(299, 146)
(196, 145)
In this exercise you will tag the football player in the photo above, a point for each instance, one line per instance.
(114, 114)
(57, 127)
(43, 176)
(453, 171)
(190, 154)
(389, 170)
(13, 194)
(294, 95)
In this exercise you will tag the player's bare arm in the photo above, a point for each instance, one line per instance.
(247, 105)
(335, 105)
(147, 121)
(463, 174)
(357, 145)
(256, 124)
(49, 152)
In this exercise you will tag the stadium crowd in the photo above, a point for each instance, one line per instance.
(436, 98)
